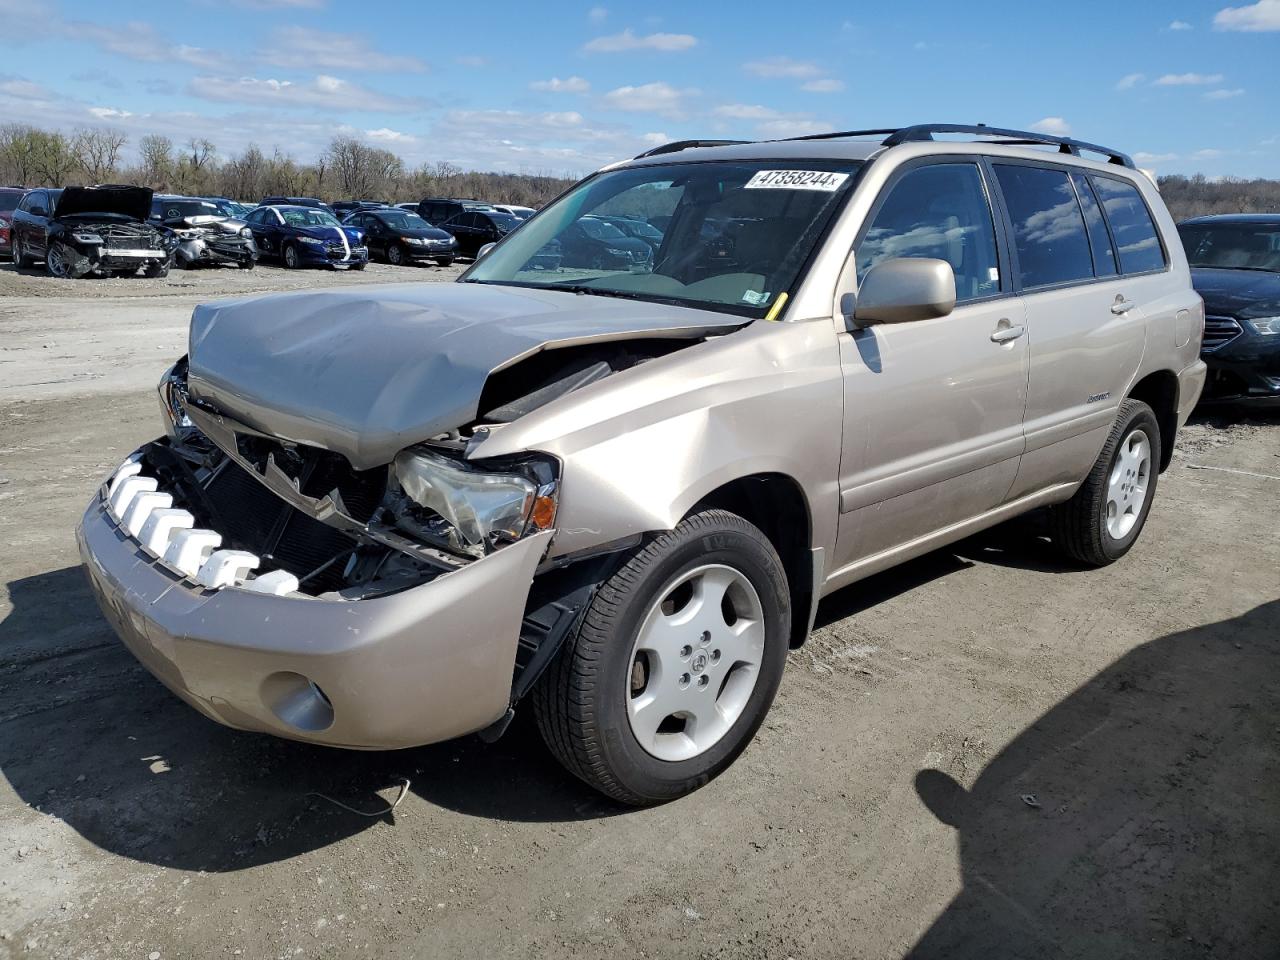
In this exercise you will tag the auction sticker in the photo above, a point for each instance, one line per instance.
(797, 180)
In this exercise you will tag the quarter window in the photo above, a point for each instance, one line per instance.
(938, 211)
(1104, 257)
(1048, 227)
(1130, 220)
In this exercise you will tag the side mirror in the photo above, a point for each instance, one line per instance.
(484, 250)
(905, 289)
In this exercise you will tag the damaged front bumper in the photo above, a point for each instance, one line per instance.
(417, 666)
(216, 248)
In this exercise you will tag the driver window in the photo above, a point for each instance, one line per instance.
(938, 211)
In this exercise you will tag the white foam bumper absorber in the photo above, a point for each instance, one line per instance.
(141, 507)
(278, 583)
(129, 488)
(226, 568)
(161, 527)
(130, 468)
(189, 549)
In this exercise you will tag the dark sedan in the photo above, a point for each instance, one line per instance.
(307, 237)
(1235, 267)
(598, 245)
(398, 236)
(475, 228)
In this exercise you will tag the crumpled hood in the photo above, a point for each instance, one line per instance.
(366, 373)
(132, 202)
(354, 235)
(1238, 293)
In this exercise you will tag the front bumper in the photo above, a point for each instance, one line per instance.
(419, 666)
(447, 252)
(312, 255)
(1244, 370)
(216, 250)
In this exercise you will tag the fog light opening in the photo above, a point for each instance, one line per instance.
(298, 701)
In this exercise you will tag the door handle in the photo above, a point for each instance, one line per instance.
(1007, 334)
(1122, 306)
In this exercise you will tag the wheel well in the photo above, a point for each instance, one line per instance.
(775, 504)
(1159, 391)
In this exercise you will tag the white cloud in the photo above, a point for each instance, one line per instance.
(109, 113)
(598, 14)
(782, 67)
(136, 41)
(746, 111)
(323, 91)
(824, 85)
(627, 40)
(1207, 154)
(556, 85)
(1189, 80)
(1153, 159)
(656, 139)
(1179, 25)
(1224, 94)
(301, 48)
(1053, 126)
(773, 124)
(1130, 80)
(387, 135)
(1260, 17)
(649, 98)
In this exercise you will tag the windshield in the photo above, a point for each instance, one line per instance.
(177, 209)
(766, 217)
(308, 217)
(403, 220)
(1232, 246)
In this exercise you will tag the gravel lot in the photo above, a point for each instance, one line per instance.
(985, 753)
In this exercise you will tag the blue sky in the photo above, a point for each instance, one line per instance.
(566, 87)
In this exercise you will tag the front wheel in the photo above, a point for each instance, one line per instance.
(395, 255)
(1101, 522)
(292, 260)
(674, 665)
(157, 269)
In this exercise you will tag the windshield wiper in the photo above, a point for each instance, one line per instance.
(583, 289)
(1205, 266)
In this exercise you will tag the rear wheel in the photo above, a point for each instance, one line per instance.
(21, 259)
(675, 664)
(1101, 522)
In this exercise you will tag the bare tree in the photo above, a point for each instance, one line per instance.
(156, 153)
(97, 152)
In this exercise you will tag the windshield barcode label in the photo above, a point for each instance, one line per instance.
(797, 180)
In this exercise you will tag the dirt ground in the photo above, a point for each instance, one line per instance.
(985, 753)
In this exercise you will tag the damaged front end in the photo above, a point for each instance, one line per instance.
(210, 241)
(103, 230)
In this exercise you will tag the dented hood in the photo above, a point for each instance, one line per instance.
(365, 373)
(132, 202)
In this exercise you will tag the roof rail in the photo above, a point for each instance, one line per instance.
(677, 145)
(925, 131)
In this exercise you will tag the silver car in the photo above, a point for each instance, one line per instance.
(382, 517)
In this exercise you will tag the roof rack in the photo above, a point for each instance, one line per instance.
(925, 131)
(920, 132)
(677, 145)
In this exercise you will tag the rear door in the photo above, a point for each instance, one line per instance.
(1085, 322)
(933, 409)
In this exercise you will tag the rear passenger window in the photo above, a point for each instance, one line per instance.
(1048, 228)
(938, 211)
(1104, 258)
(1131, 224)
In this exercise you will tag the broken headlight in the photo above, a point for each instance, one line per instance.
(173, 398)
(475, 510)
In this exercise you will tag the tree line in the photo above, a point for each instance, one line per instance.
(350, 169)
(346, 169)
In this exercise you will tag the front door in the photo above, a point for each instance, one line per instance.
(933, 409)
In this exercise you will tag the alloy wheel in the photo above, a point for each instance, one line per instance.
(695, 662)
(1128, 484)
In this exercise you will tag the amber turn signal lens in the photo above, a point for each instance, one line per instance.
(543, 514)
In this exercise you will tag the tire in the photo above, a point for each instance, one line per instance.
(21, 259)
(289, 257)
(1102, 521)
(593, 703)
(157, 270)
(395, 255)
(245, 265)
(359, 266)
(445, 262)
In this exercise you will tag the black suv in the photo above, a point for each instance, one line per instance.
(297, 202)
(437, 210)
(401, 236)
(475, 228)
(1235, 267)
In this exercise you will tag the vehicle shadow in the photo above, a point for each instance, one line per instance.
(89, 737)
(1140, 817)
